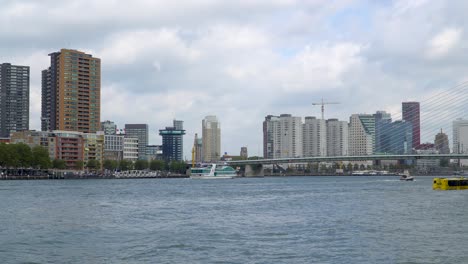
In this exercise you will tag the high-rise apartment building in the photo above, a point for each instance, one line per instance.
(139, 131)
(71, 92)
(282, 136)
(270, 125)
(314, 137)
(14, 99)
(361, 134)
(172, 141)
(337, 138)
(211, 135)
(410, 113)
(109, 127)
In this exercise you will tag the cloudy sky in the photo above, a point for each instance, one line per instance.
(242, 60)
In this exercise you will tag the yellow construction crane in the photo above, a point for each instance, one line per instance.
(323, 106)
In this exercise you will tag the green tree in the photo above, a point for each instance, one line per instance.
(125, 165)
(110, 164)
(79, 165)
(11, 156)
(40, 158)
(157, 165)
(141, 165)
(177, 166)
(93, 164)
(59, 164)
(25, 156)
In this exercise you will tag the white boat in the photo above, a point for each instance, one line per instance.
(405, 176)
(213, 172)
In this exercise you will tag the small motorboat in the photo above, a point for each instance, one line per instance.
(405, 176)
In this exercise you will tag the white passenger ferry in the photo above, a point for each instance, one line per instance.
(213, 172)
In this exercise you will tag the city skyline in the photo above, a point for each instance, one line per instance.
(183, 71)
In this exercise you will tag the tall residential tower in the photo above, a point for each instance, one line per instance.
(211, 138)
(14, 99)
(71, 92)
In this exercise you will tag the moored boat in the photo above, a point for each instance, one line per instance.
(213, 172)
(455, 183)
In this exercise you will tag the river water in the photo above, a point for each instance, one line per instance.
(259, 220)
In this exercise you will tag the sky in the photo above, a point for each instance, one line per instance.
(242, 60)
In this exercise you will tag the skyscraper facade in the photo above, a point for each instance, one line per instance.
(394, 137)
(172, 142)
(337, 138)
(361, 134)
(139, 131)
(314, 137)
(14, 99)
(411, 113)
(211, 137)
(270, 125)
(71, 92)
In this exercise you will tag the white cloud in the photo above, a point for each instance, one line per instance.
(443, 42)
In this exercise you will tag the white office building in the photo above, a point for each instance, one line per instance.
(130, 148)
(314, 136)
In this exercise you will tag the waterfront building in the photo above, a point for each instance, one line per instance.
(93, 144)
(172, 142)
(460, 138)
(211, 135)
(411, 114)
(243, 153)
(337, 138)
(314, 137)
(394, 137)
(427, 164)
(381, 119)
(113, 147)
(441, 143)
(361, 134)
(109, 127)
(139, 131)
(130, 148)
(288, 137)
(69, 147)
(33, 138)
(154, 152)
(283, 136)
(14, 99)
(197, 148)
(71, 92)
(270, 125)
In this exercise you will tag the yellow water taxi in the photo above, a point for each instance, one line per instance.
(450, 184)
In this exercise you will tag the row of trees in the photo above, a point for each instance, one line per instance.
(22, 156)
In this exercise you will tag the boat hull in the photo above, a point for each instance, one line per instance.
(211, 177)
